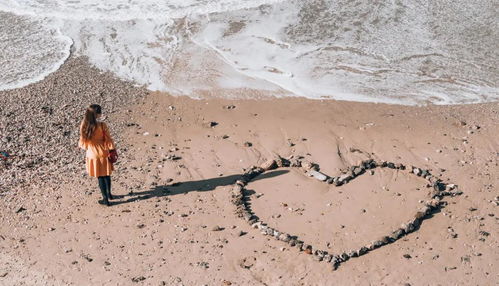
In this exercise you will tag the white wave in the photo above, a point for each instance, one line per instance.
(31, 50)
(139, 50)
(379, 52)
(122, 10)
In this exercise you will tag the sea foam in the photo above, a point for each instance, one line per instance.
(403, 52)
(31, 49)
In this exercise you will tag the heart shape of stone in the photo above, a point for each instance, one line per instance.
(432, 204)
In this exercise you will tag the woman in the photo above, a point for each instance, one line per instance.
(95, 139)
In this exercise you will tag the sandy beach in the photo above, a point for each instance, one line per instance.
(174, 223)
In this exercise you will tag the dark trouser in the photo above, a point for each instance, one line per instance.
(105, 188)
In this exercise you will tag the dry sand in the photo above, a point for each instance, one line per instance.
(175, 173)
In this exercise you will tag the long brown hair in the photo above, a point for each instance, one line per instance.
(89, 123)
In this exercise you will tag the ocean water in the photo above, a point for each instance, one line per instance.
(398, 51)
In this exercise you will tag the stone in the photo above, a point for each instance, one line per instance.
(407, 256)
(270, 231)
(344, 178)
(407, 227)
(397, 234)
(138, 279)
(241, 183)
(368, 164)
(307, 165)
(284, 237)
(299, 244)
(247, 216)
(344, 256)
(363, 250)
(425, 209)
(357, 171)
(335, 262)
(425, 173)
(256, 224)
(217, 228)
(269, 165)
(419, 215)
(432, 204)
(352, 253)
(416, 171)
(252, 173)
(294, 162)
(237, 189)
(400, 166)
(87, 257)
(318, 175)
(247, 144)
(280, 161)
(276, 233)
(211, 124)
(439, 186)
(307, 249)
(317, 257)
(483, 233)
(377, 243)
(384, 239)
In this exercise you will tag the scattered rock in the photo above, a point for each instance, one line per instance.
(210, 124)
(466, 259)
(484, 233)
(138, 279)
(204, 265)
(217, 228)
(87, 257)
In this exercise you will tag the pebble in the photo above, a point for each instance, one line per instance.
(138, 279)
(217, 228)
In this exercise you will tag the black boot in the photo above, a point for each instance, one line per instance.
(108, 187)
(103, 190)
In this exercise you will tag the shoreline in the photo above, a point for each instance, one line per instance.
(178, 159)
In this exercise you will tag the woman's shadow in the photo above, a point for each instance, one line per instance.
(190, 186)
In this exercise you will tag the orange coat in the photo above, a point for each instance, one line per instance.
(97, 148)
